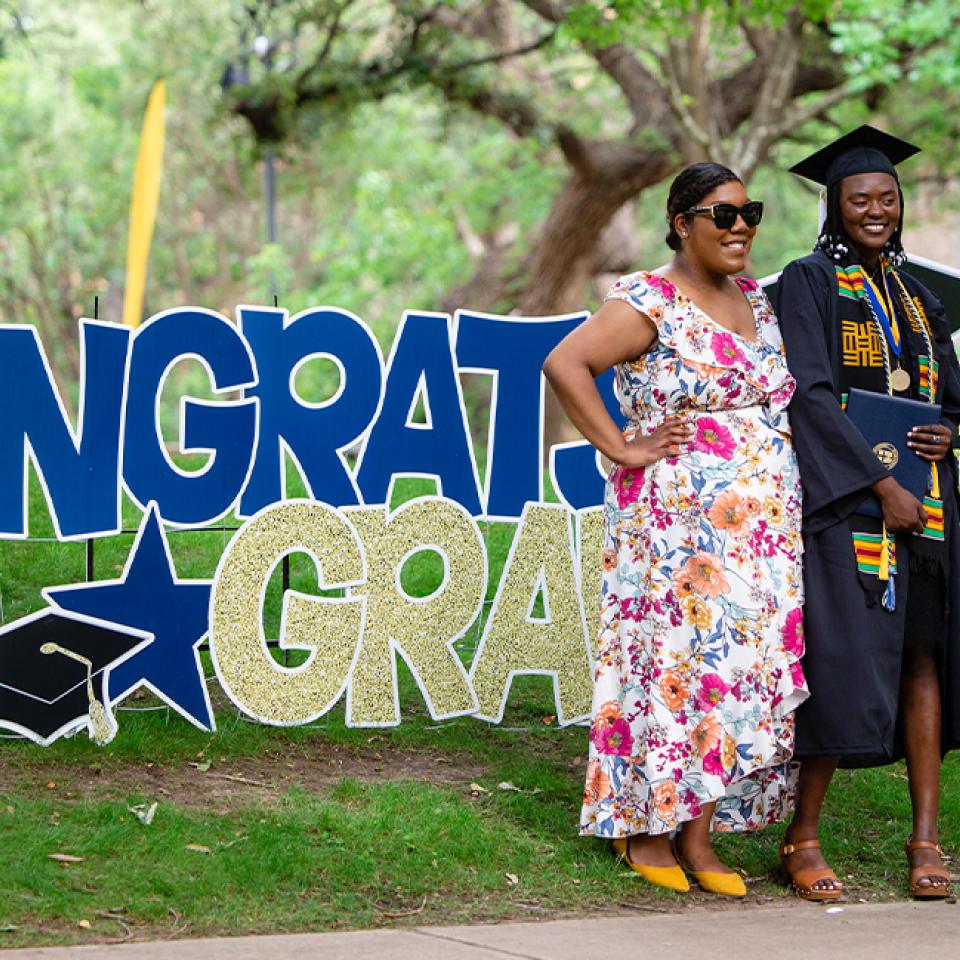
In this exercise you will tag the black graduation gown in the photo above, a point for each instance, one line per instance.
(854, 647)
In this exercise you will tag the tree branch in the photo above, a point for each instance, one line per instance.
(500, 56)
(801, 114)
(757, 132)
(645, 95)
(548, 9)
(643, 91)
(694, 140)
(334, 30)
(758, 38)
(514, 111)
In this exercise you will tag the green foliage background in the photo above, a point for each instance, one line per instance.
(370, 193)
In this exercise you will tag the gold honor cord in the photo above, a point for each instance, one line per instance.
(100, 729)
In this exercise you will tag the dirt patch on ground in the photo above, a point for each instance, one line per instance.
(222, 785)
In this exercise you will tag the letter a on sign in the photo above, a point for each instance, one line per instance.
(541, 562)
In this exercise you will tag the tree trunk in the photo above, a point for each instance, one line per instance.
(563, 261)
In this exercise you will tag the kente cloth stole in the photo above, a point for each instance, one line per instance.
(881, 327)
(868, 548)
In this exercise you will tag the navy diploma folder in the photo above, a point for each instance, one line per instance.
(884, 422)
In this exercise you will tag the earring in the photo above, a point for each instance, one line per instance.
(896, 257)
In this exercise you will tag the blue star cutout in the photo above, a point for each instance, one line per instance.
(149, 597)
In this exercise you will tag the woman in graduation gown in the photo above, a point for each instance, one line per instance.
(882, 608)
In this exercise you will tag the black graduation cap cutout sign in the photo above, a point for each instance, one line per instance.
(53, 674)
(859, 151)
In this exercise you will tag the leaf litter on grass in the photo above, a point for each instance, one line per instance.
(144, 812)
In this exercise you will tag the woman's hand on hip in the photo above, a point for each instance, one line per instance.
(668, 440)
(902, 511)
(930, 442)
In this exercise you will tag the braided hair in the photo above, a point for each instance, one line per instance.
(689, 187)
(834, 242)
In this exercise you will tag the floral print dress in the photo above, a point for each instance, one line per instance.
(697, 666)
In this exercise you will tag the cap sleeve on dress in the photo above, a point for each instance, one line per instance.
(650, 295)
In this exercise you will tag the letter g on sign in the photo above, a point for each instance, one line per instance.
(329, 627)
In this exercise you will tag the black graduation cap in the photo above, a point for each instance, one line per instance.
(53, 674)
(864, 150)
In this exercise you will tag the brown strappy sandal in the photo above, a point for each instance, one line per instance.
(803, 880)
(930, 891)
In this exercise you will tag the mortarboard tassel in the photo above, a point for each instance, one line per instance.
(100, 730)
(889, 601)
(821, 212)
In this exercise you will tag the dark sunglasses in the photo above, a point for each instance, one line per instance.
(725, 215)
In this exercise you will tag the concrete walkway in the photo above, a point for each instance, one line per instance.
(891, 931)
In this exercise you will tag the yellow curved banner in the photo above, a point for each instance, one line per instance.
(143, 204)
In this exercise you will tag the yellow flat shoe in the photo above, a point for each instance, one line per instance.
(725, 884)
(713, 881)
(673, 878)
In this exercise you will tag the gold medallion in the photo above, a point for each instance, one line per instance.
(899, 380)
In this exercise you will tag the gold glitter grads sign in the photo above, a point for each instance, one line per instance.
(354, 641)
(349, 450)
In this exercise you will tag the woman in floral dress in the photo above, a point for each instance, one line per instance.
(697, 670)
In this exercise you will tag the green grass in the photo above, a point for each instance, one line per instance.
(359, 853)
(399, 838)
